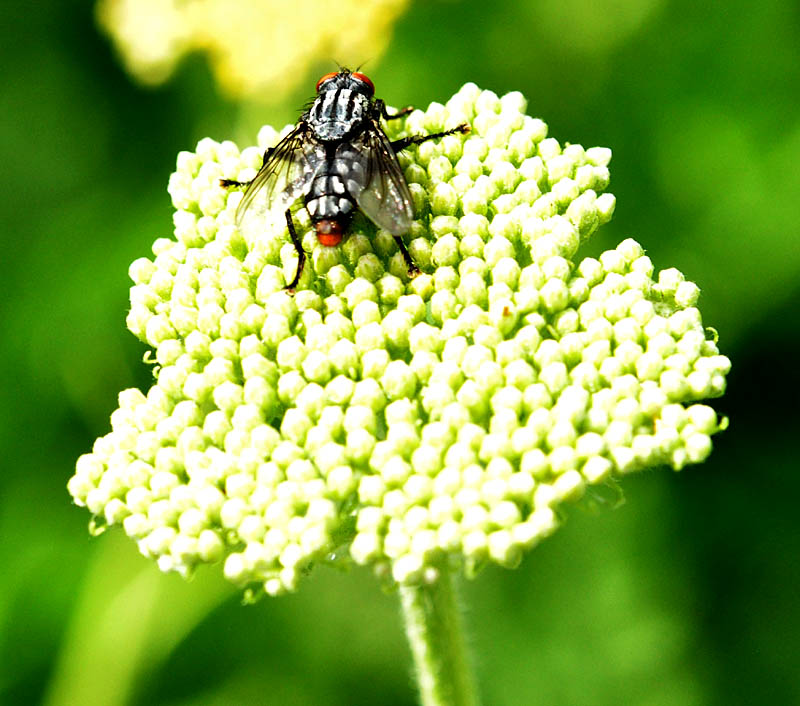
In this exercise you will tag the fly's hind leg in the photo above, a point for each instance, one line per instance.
(413, 270)
(301, 254)
(401, 144)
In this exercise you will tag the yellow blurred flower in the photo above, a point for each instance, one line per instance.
(256, 48)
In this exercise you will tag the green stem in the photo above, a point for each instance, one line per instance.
(433, 627)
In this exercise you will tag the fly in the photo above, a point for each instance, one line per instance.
(339, 159)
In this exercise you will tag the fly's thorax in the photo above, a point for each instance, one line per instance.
(338, 113)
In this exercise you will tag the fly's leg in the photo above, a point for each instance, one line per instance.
(413, 270)
(301, 254)
(399, 114)
(402, 143)
(267, 154)
(228, 183)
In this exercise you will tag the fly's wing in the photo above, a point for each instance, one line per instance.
(286, 175)
(385, 197)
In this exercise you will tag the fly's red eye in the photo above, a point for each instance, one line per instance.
(365, 79)
(325, 78)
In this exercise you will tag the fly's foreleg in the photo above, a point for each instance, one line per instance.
(404, 142)
(229, 183)
(301, 254)
(399, 114)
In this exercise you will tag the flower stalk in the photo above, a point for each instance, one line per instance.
(435, 633)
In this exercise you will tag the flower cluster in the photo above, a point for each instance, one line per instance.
(248, 57)
(405, 421)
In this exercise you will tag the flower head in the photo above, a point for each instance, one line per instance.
(406, 421)
(249, 58)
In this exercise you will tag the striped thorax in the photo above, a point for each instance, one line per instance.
(337, 113)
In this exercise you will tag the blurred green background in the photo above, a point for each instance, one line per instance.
(687, 594)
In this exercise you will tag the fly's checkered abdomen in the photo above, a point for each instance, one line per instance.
(328, 198)
(333, 192)
(348, 165)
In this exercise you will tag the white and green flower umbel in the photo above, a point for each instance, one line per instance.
(416, 424)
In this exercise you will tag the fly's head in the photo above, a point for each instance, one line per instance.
(344, 78)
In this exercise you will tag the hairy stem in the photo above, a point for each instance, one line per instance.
(434, 630)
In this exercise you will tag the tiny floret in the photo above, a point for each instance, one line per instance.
(401, 419)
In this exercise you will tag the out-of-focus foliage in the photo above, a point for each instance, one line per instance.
(682, 596)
